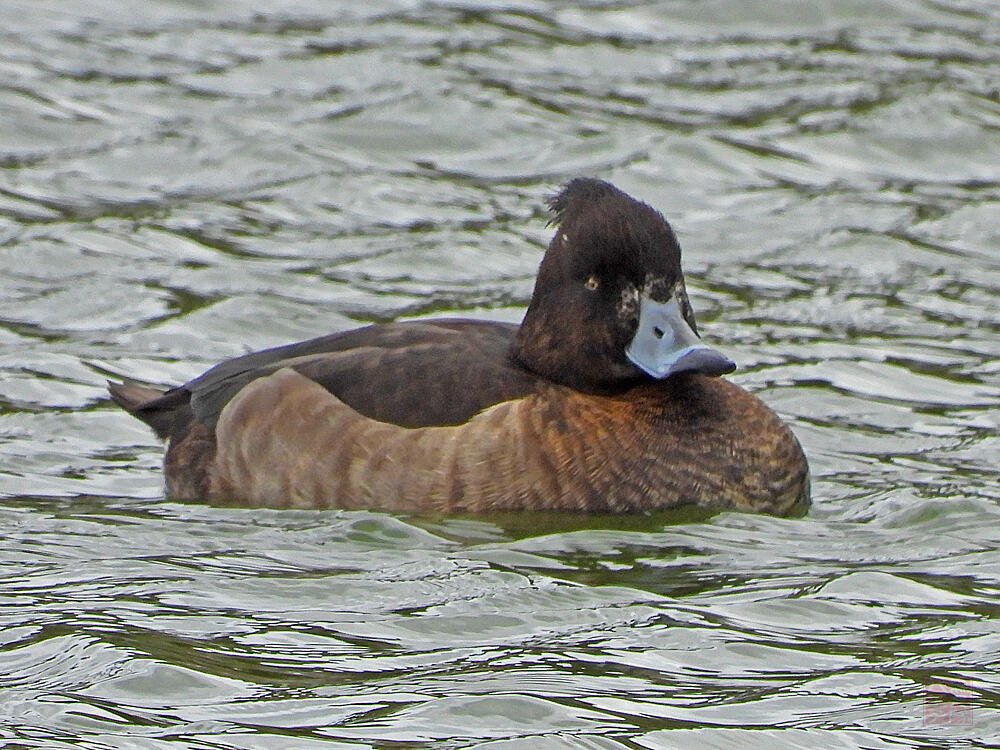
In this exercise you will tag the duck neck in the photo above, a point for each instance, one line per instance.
(547, 349)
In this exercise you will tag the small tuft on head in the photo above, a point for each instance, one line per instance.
(601, 226)
(579, 193)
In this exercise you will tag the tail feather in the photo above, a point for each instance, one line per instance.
(159, 409)
(131, 396)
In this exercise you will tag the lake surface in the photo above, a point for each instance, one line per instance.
(181, 182)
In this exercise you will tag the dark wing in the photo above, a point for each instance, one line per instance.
(413, 374)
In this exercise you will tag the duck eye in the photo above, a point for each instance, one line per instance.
(592, 282)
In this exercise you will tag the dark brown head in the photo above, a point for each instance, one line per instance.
(609, 307)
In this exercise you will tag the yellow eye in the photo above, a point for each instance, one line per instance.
(592, 283)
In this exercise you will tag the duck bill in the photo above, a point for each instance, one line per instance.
(664, 344)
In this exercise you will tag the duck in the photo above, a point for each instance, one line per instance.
(605, 399)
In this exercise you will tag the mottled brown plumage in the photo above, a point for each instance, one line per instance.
(469, 416)
(285, 441)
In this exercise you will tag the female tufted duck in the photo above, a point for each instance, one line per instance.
(604, 399)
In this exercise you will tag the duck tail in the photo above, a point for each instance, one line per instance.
(158, 409)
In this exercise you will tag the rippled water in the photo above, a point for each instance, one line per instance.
(183, 181)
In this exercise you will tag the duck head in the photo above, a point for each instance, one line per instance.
(609, 306)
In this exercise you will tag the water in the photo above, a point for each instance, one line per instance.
(184, 181)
